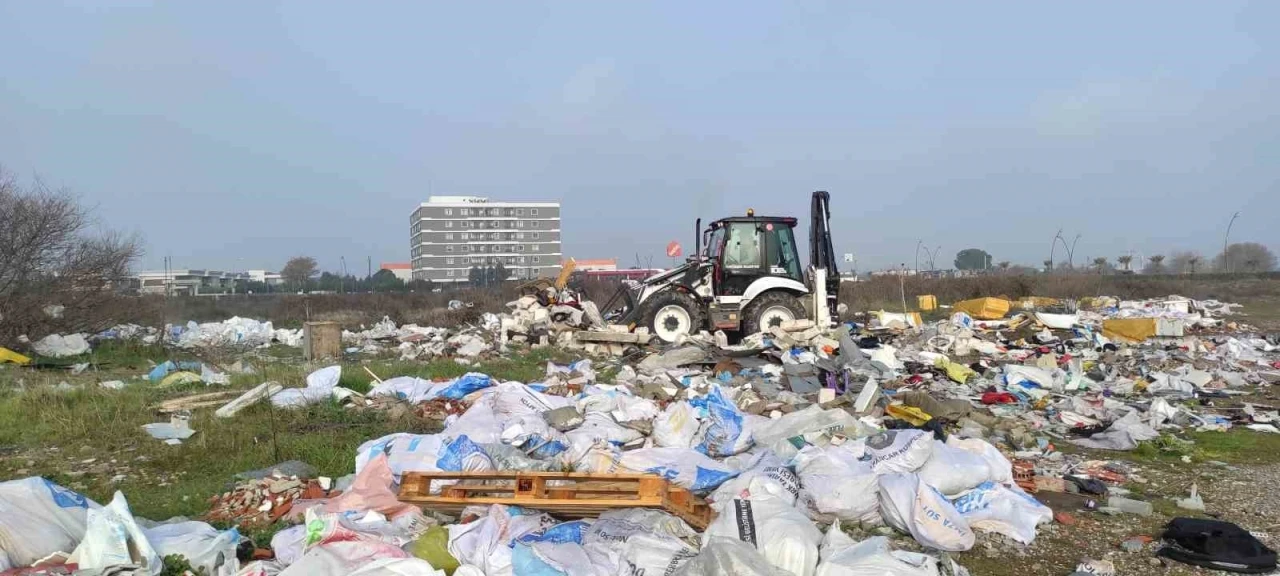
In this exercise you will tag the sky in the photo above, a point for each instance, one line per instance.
(236, 134)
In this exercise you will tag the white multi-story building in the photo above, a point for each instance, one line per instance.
(449, 235)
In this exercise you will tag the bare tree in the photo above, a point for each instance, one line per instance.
(1155, 265)
(1185, 262)
(298, 271)
(51, 254)
(1246, 257)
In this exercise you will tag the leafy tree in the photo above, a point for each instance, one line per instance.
(1004, 266)
(1125, 260)
(1100, 264)
(329, 282)
(1185, 262)
(385, 281)
(298, 271)
(497, 274)
(1155, 265)
(1246, 257)
(972, 259)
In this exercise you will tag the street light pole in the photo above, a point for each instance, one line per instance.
(1053, 245)
(1071, 253)
(919, 243)
(1225, 238)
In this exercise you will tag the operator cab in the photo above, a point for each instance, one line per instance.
(745, 249)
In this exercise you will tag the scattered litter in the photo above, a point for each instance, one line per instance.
(59, 346)
(177, 428)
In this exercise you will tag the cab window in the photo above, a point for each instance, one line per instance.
(783, 259)
(742, 250)
(715, 241)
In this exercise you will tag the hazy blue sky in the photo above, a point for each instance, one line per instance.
(236, 134)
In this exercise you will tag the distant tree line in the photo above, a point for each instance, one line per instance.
(301, 274)
(1242, 257)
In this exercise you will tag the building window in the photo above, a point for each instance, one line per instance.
(497, 235)
(533, 247)
(520, 248)
(533, 223)
(448, 211)
(448, 261)
(519, 211)
(534, 235)
(448, 236)
(448, 273)
(464, 212)
(536, 259)
(533, 211)
(448, 248)
(448, 224)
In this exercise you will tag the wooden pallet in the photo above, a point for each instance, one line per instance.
(566, 494)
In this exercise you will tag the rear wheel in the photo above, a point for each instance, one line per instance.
(672, 313)
(769, 310)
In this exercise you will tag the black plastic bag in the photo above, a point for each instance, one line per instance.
(1217, 545)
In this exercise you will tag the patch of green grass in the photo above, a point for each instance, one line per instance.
(1236, 446)
(51, 433)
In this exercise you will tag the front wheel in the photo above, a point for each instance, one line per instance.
(769, 310)
(671, 314)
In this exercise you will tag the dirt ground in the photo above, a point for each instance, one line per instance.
(1243, 494)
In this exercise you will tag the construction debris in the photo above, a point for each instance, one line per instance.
(740, 454)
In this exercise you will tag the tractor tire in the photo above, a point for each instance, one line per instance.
(770, 309)
(670, 313)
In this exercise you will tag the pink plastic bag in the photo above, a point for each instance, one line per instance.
(370, 491)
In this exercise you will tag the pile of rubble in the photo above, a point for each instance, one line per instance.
(256, 502)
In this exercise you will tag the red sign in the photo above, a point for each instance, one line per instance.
(673, 249)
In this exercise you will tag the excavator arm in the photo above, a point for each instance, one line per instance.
(822, 258)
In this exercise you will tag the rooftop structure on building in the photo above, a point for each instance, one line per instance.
(449, 235)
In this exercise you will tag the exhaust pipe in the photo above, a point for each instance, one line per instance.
(697, 239)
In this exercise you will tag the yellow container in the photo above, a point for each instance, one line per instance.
(927, 302)
(984, 308)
